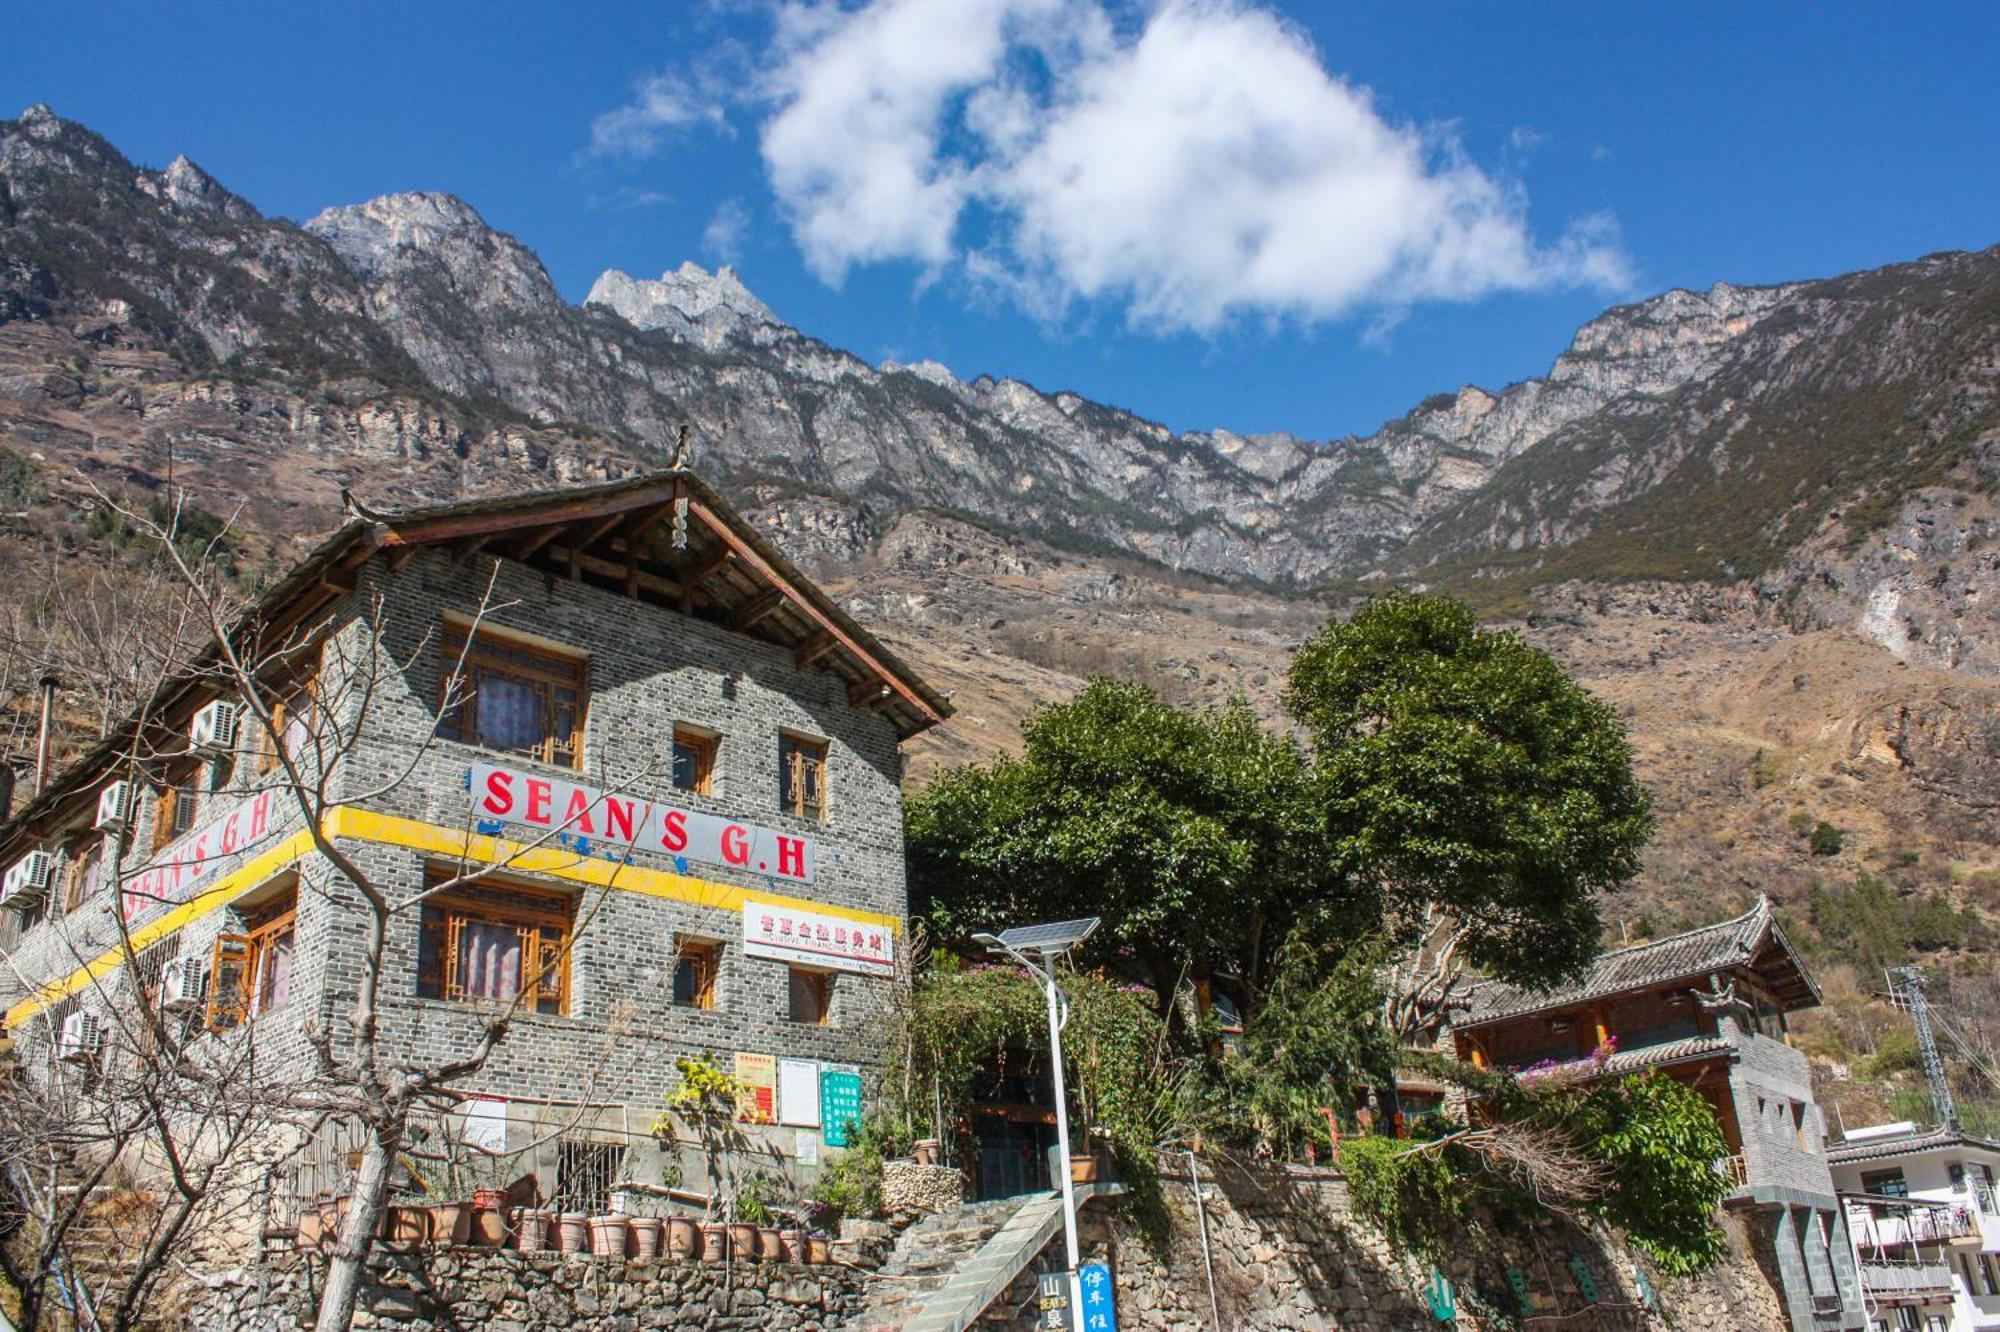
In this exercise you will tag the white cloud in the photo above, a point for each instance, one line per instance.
(722, 238)
(660, 105)
(1197, 165)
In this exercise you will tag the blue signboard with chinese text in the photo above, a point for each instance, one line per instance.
(1100, 1299)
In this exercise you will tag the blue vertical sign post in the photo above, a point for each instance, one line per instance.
(839, 1106)
(1100, 1299)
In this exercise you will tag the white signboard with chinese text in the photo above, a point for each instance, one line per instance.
(798, 1093)
(590, 821)
(813, 940)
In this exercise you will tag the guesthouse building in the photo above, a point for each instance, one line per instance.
(658, 768)
(1709, 1009)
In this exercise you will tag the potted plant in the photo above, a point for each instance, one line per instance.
(753, 1206)
(572, 1232)
(705, 1100)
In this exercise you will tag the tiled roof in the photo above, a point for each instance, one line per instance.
(1651, 1056)
(1752, 939)
(1905, 1144)
(1630, 1061)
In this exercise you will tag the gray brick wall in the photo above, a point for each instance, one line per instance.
(648, 669)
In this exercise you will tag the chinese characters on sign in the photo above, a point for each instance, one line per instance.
(590, 821)
(839, 1106)
(1100, 1298)
(759, 1075)
(791, 935)
(1052, 1303)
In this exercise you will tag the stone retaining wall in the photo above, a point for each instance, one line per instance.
(1288, 1256)
(499, 1290)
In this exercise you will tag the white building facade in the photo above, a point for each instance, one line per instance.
(1923, 1207)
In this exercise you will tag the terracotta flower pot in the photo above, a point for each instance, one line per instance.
(409, 1225)
(819, 1248)
(743, 1241)
(531, 1230)
(927, 1151)
(573, 1233)
(607, 1235)
(488, 1226)
(489, 1200)
(714, 1242)
(795, 1241)
(770, 1244)
(449, 1222)
(683, 1237)
(645, 1236)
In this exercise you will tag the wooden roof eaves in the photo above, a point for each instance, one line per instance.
(758, 555)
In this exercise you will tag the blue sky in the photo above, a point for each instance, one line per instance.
(1294, 217)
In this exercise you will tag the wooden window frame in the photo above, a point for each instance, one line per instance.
(706, 957)
(799, 756)
(704, 745)
(301, 698)
(821, 984)
(82, 851)
(548, 937)
(543, 668)
(179, 790)
(236, 970)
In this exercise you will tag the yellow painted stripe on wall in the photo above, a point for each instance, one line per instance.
(224, 891)
(364, 825)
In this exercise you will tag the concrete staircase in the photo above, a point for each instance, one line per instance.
(927, 1257)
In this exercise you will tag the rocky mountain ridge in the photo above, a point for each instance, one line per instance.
(415, 291)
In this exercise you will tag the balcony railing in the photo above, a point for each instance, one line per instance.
(1895, 1223)
(1906, 1281)
(1733, 1169)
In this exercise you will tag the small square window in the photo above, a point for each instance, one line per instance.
(694, 973)
(811, 996)
(694, 760)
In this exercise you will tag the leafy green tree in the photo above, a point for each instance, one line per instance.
(1315, 1044)
(1197, 836)
(1480, 797)
(1660, 1142)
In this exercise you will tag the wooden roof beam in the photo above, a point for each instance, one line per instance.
(534, 541)
(612, 569)
(813, 649)
(757, 609)
(574, 511)
(870, 694)
(755, 562)
(709, 567)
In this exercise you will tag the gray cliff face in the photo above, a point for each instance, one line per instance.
(708, 309)
(1693, 435)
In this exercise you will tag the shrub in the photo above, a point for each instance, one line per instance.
(1825, 839)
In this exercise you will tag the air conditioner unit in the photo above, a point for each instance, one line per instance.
(115, 804)
(30, 877)
(214, 728)
(82, 1038)
(183, 984)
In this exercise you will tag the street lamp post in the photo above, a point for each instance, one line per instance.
(1048, 942)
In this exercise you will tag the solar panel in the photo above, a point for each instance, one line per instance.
(1052, 938)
